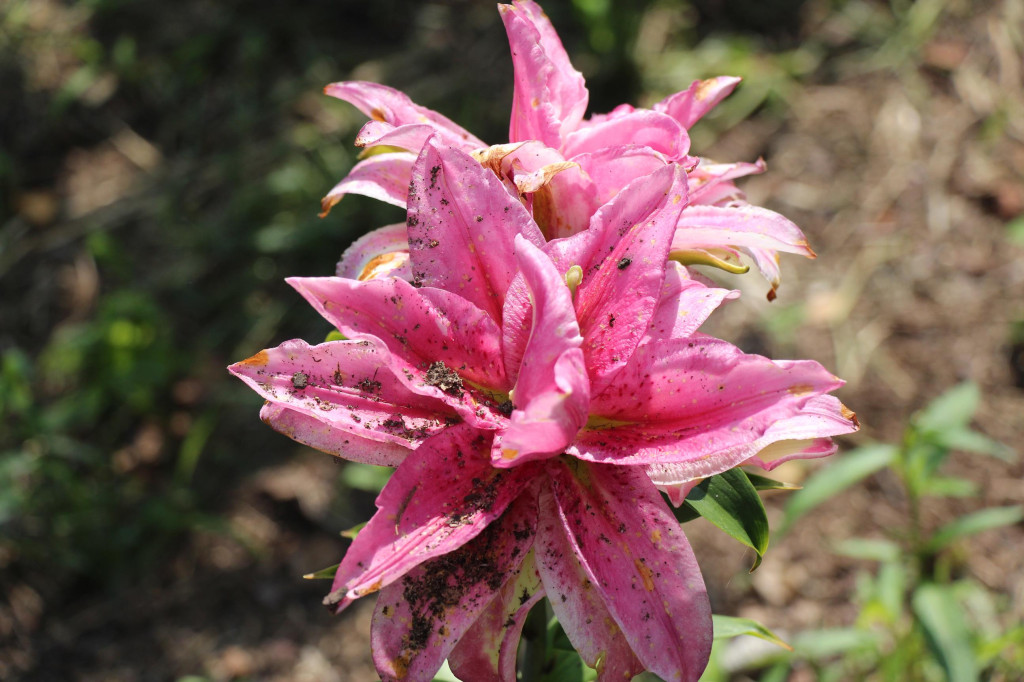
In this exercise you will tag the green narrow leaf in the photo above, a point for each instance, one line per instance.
(335, 335)
(765, 483)
(944, 486)
(845, 471)
(969, 524)
(827, 642)
(872, 549)
(727, 627)
(943, 621)
(367, 477)
(972, 441)
(729, 501)
(952, 409)
(352, 532)
(323, 573)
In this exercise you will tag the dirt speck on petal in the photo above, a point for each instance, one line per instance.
(300, 380)
(439, 375)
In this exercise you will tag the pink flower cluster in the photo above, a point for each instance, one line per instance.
(525, 352)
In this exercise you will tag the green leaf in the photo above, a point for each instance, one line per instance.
(943, 486)
(872, 549)
(824, 643)
(368, 477)
(352, 532)
(943, 622)
(970, 524)
(323, 573)
(952, 409)
(335, 335)
(564, 666)
(765, 483)
(727, 627)
(729, 501)
(972, 441)
(828, 482)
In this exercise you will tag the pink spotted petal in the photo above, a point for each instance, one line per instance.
(642, 127)
(806, 435)
(690, 105)
(441, 497)
(309, 430)
(462, 225)
(625, 269)
(580, 608)
(703, 403)
(382, 103)
(382, 176)
(384, 252)
(488, 650)
(738, 226)
(411, 137)
(550, 96)
(418, 620)
(685, 304)
(634, 553)
(612, 168)
(552, 391)
(343, 390)
(420, 326)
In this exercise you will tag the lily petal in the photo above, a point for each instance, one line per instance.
(612, 168)
(581, 610)
(411, 137)
(685, 304)
(382, 176)
(418, 620)
(742, 226)
(550, 96)
(342, 388)
(384, 252)
(462, 223)
(642, 127)
(420, 326)
(632, 549)
(690, 105)
(704, 406)
(417, 519)
(382, 103)
(625, 268)
(488, 650)
(551, 392)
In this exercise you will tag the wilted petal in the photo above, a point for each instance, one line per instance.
(488, 649)
(632, 549)
(642, 127)
(703, 403)
(384, 252)
(551, 392)
(420, 518)
(420, 326)
(624, 270)
(580, 609)
(550, 96)
(345, 393)
(612, 168)
(685, 304)
(382, 103)
(418, 620)
(462, 224)
(382, 176)
(690, 105)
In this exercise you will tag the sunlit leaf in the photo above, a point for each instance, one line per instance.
(970, 524)
(831, 480)
(727, 627)
(826, 642)
(872, 549)
(942, 618)
(352, 532)
(323, 573)
(972, 441)
(730, 501)
(952, 409)
(765, 483)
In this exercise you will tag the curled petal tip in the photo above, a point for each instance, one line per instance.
(849, 414)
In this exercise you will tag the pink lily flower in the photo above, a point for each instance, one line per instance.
(527, 390)
(565, 166)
